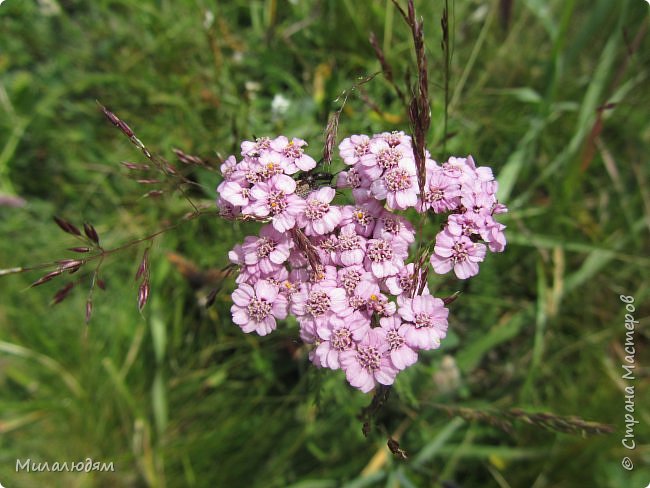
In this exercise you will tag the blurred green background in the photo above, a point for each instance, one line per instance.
(552, 94)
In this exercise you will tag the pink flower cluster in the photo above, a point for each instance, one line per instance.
(383, 167)
(342, 270)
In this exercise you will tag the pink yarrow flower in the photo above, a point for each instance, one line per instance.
(382, 157)
(353, 148)
(402, 355)
(465, 224)
(458, 169)
(226, 209)
(257, 307)
(363, 215)
(268, 251)
(276, 198)
(458, 253)
(271, 163)
(367, 290)
(319, 217)
(336, 267)
(493, 234)
(398, 186)
(314, 302)
(385, 258)
(349, 277)
(356, 180)
(327, 247)
(293, 154)
(369, 363)
(395, 138)
(253, 149)
(403, 281)
(476, 200)
(322, 275)
(235, 193)
(441, 192)
(228, 167)
(337, 335)
(394, 227)
(426, 319)
(351, 247)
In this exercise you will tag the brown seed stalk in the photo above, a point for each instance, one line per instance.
(49, 276)
(67, 226)
(91, 233)
(143, 294)
(62, 293)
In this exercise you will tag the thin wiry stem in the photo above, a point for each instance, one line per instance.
(446, 49)
(503, 419)
(333, 124)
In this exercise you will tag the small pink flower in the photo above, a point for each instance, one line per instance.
(427, 321)
(293, 154)
(357, 180)
(235, 193)
(499, 208)
(382, 157)
(288, 287)
(247, 274)
(308, 328)
(327, 246)
(394, 227)
(395, 138)
(403, 281)
(348, 278)
(441, 192)
(398, 186)
(362, 215)
(353, 148)
(483, 173)
(323, 276)
(226, 209)
(369, 363)
(464, 170)
(367, 290)
(351, 247)
(384, 257)
(255, 308)
(477, 201)
(394, 330)
(338, 335)
(493, 234)
(269, 251)
(276, 198)
(228, 167)
(318, 216)
(253, 149)
(457, 252)
(246, 173)
(465, 224)
(271, 163)
(314, 302)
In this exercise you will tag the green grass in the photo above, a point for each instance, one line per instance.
(177, 395)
